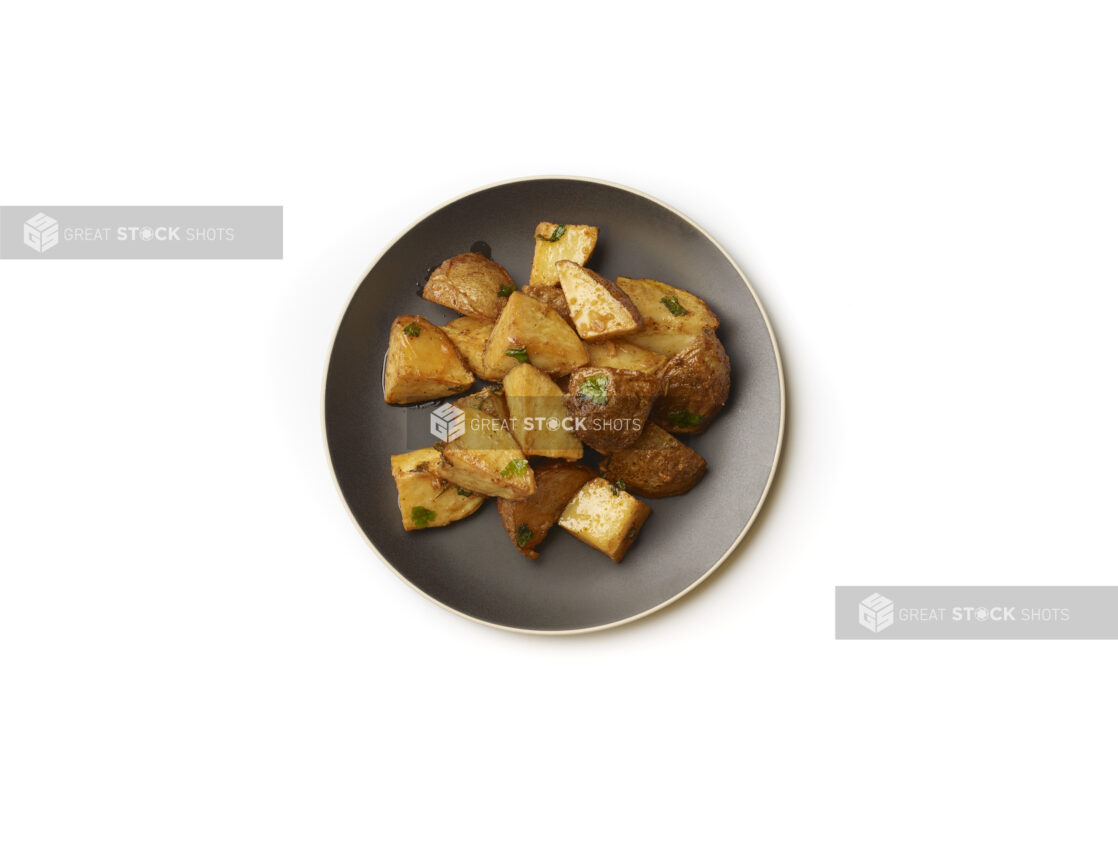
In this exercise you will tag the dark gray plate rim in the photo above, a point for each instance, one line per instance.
(748, 523)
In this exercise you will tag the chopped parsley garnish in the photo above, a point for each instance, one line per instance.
(421, 516)
(412, 330)
(594, 389)
(684, 419)
(516, 467)
(523, 534)
(557, 233)
(519, 353)
(672, 305)
(617, 487)
(464, 492)
(506, 290)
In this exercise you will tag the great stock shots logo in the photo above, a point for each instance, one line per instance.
(875, 612)
(40, 233)
(448, 422)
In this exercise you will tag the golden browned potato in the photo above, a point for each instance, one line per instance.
(470, 284)
(655, 465)
(605, 517)
(422, 363)
(672, 317)
(696, 385)
(485, 458)
(608, 406)
(469, 334)
(598, 307)
(537, 415)
(622, 355)
(426, 500)
(552, 296)
(555, 242)
(528, 331)
(528, 521)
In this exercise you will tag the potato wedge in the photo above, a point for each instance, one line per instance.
(622, 355)
(527, 329)
(605, 517)
(469, 334)
(598, 307)
(426, 500)
(527, 521)
(552, 296)
(609, 407)
(555, 242)
(470, 284)
(422, 363)
(485, 458)
(696, 385)
(538, 416)
(655, 465)
(672, 316)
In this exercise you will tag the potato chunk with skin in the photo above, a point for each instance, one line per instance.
(609, 407)
(527, 329)
(470, 284)
(538, 416)
(527, 521)
(556, 242)
(469, 334)
(672, 317)
(422, 363)
(598, 307)
(485, 458)
(426, 500)
(605, 517)
(655, 465)
(696, 386)
(622, 355)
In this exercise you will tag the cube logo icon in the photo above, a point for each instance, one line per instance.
(40, 233)
(875, 612)
(448, 422)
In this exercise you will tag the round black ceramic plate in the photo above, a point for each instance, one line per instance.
(471, 567)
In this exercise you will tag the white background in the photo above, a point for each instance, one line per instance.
(196, 645)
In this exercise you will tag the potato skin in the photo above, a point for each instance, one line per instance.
(556, 484)
(616, 423)
(656, 465)
(470, 284)
(696, 382)
(552, 296)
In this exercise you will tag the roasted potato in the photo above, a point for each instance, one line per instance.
(555, 242)
(528, 521)
(655, 465)
(422, 363)
(469, 334)
(485, 458)
(696, 385)
(470, 284)
(426, 500)
(672, 317)
(538, 416)
(622, 355)
(528, 331)
(552, 296)
(598, 307)
(605, 517)
(608, 406)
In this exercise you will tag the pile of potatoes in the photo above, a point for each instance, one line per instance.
(620, 367)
